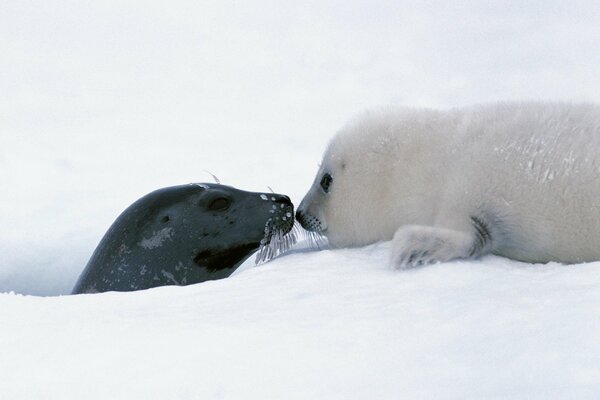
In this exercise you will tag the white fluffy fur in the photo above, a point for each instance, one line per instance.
(517, 180)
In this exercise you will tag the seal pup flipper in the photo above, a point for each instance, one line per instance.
(417, 245)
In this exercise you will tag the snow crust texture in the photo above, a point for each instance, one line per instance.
(319, 325)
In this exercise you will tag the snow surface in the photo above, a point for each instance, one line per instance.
(103, 102)
(326, 325)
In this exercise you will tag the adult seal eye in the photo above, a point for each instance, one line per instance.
(326, 182)
(219, 204)
(171, 237)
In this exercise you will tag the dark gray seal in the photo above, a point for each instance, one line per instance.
(182, 235)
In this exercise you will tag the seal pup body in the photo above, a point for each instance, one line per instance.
(182, 235)
(517, 180)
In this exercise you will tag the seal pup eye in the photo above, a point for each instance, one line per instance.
(219, 204)
(326, 182)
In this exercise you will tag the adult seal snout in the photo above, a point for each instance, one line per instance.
(182, 235)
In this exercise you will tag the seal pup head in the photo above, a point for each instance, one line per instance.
(353, 198)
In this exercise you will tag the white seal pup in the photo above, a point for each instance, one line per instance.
(517, 180)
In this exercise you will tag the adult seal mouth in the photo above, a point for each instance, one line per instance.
(186, 234)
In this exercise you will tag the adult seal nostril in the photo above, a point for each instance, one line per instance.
(281, 199)
(182, 235)
(284, 199)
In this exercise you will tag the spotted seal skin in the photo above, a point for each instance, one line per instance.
(519, 180)
(182, 235)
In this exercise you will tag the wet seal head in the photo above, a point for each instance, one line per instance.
(187, 234)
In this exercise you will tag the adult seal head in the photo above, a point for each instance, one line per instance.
(517, 180)
(182, 235)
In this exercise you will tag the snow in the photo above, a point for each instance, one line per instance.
(329, 324)
(104, 102)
